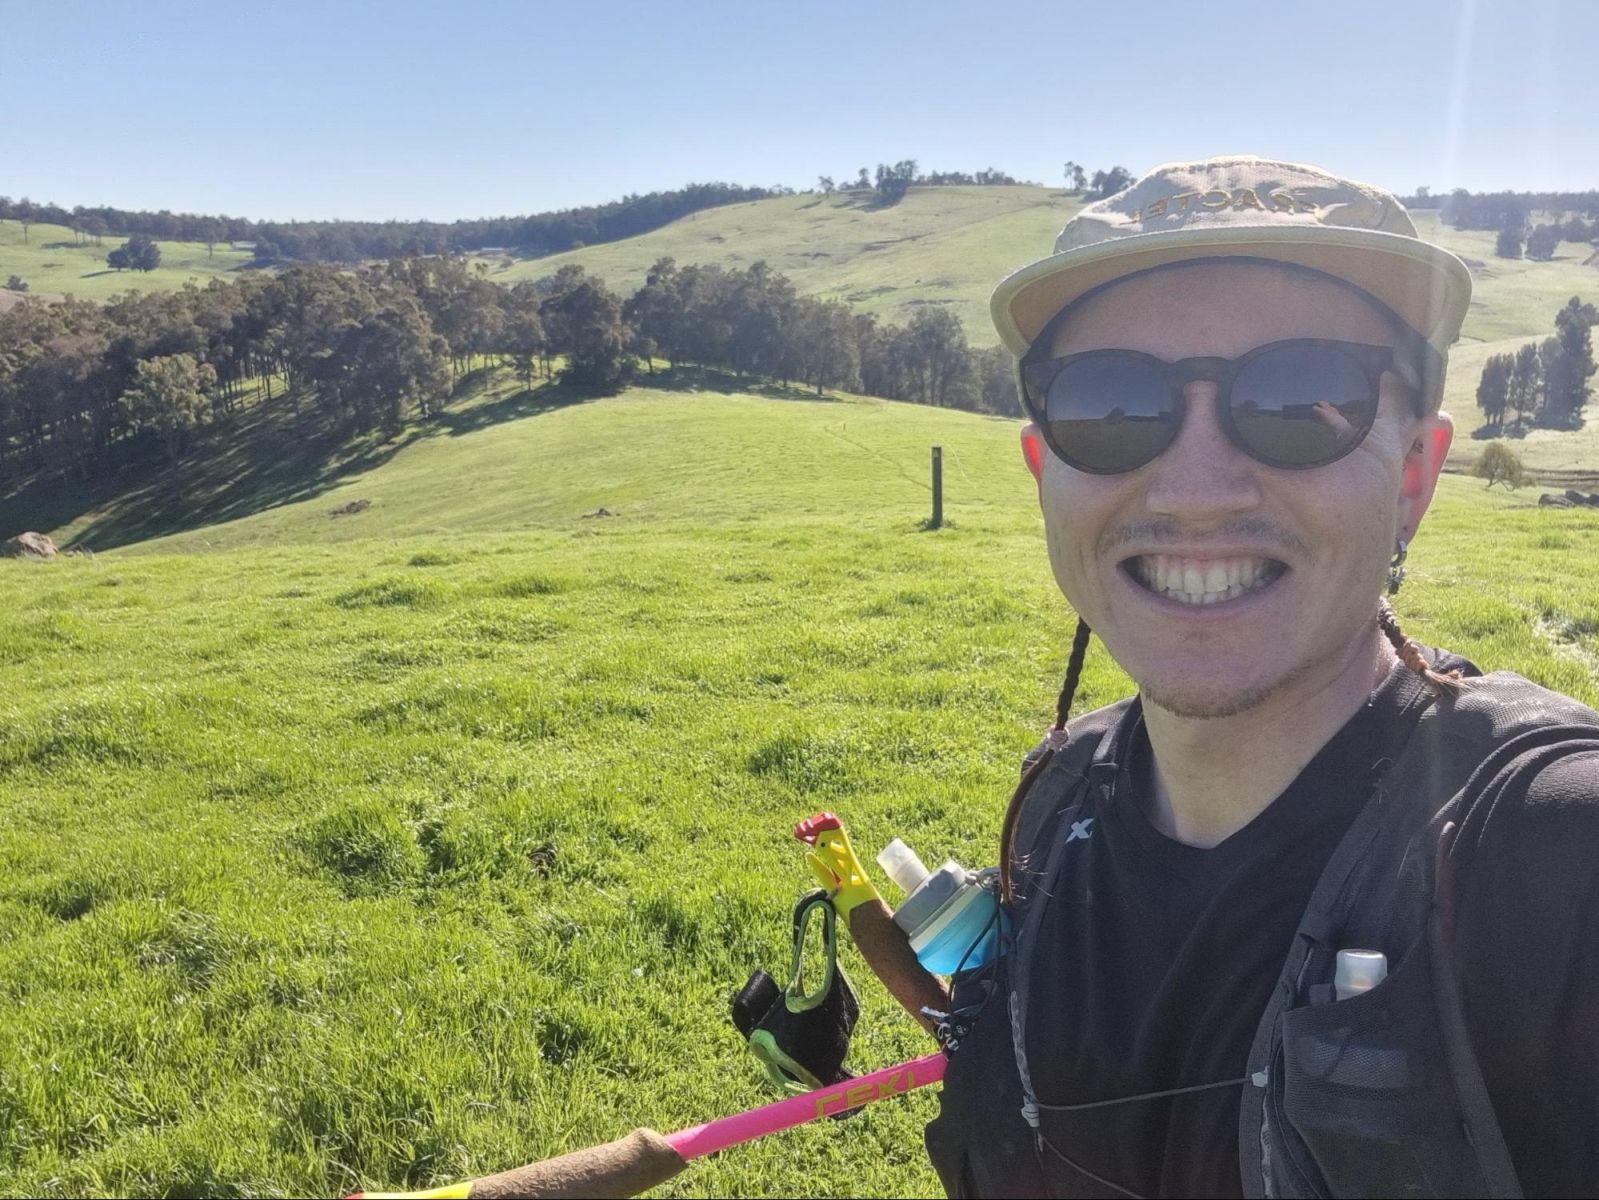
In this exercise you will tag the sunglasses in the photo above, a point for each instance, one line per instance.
(1294, 404)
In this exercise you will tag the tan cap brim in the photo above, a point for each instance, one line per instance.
(1428, 287)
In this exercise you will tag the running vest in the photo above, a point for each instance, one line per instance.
(1377, 1095)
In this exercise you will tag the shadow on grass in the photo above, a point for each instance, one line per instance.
(528, 402)
(262, 458)
(709, 379)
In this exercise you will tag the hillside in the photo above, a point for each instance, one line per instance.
(940, 245)
(952, 245)
(54, 263)
(391, 848)
(508, 460)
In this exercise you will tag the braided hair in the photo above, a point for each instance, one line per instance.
(1439, 683)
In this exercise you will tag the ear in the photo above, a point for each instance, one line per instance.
(1033, 451)
(1423, 463)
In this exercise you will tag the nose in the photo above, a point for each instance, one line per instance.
(1202, 477)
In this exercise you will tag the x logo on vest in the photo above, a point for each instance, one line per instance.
(1081, 829)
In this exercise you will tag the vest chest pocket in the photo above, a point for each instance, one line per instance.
(1364, 1087)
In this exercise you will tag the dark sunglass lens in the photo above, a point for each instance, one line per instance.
(1110, 413)
(1301, 406)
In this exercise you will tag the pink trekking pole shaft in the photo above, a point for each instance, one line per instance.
(644, 1158)
(743, 1127)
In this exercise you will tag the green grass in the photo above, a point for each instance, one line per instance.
(397, 847)
(53, 264)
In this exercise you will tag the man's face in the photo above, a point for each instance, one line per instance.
(1308, 548)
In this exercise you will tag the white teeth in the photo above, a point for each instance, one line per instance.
(1201, 581)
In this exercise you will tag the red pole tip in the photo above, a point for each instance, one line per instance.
(811, 827)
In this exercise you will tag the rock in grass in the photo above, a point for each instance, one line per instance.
(354, 506)
(1550, 500)
(28, 545)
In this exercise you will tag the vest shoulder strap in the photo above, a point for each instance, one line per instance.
(1057, 791)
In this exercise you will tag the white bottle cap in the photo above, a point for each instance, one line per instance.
(902, 865)
(1358, 971)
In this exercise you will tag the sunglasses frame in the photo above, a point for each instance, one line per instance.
(1039, 376)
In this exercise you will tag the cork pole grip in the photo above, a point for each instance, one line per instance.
(888, 952)
(625, 1167)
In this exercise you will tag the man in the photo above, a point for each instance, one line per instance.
(1234, 371)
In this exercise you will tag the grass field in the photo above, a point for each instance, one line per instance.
(400, 846)
(53, 263)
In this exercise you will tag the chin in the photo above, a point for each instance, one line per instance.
(1202, 701)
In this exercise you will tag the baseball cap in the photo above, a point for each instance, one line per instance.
(1247, 207)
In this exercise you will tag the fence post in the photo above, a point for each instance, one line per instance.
(938, 487)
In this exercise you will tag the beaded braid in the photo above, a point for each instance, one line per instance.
(1053, 741)
(1440, 683)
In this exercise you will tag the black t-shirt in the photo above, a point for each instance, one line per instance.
(1155, 960)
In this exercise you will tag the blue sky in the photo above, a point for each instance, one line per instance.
(476, 108)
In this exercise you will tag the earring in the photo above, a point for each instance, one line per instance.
(1396, 568)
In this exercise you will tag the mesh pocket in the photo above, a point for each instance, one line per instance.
(1365, 1086)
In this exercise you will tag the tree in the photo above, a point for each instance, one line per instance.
(825, 183)
(1526, 383)
(996, 376)
(168, 397)
(1493, 389)
(864, 180)
(894, 181)
(16, 283)
(1541, 243)
(211, 231)
(138, 253)
(1508, 244)
(1108, 183)
(656, 310)
(1571, 365)
(1498, 463)
(935, 358)
(523, 330)
(592, 334)
(1076, 177)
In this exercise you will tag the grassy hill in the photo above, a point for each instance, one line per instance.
(394, 847)
(55, 264)
(940, 245)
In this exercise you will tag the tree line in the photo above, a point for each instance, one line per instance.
(355, 241)
(343, 353)
(348, 242)
(1544, 382)
(892, 180)
(1098, 185)
(1500, 210)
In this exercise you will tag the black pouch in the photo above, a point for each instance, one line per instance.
(1362, 1101)
(800, 1034)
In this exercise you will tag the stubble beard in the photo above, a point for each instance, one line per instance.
(1201, 705)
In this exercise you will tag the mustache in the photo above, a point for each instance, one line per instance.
(1156, 531)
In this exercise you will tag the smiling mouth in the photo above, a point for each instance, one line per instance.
(1202, 580)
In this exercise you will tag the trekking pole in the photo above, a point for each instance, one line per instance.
(645, 1158)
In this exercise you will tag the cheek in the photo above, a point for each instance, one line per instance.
(1077, 509)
